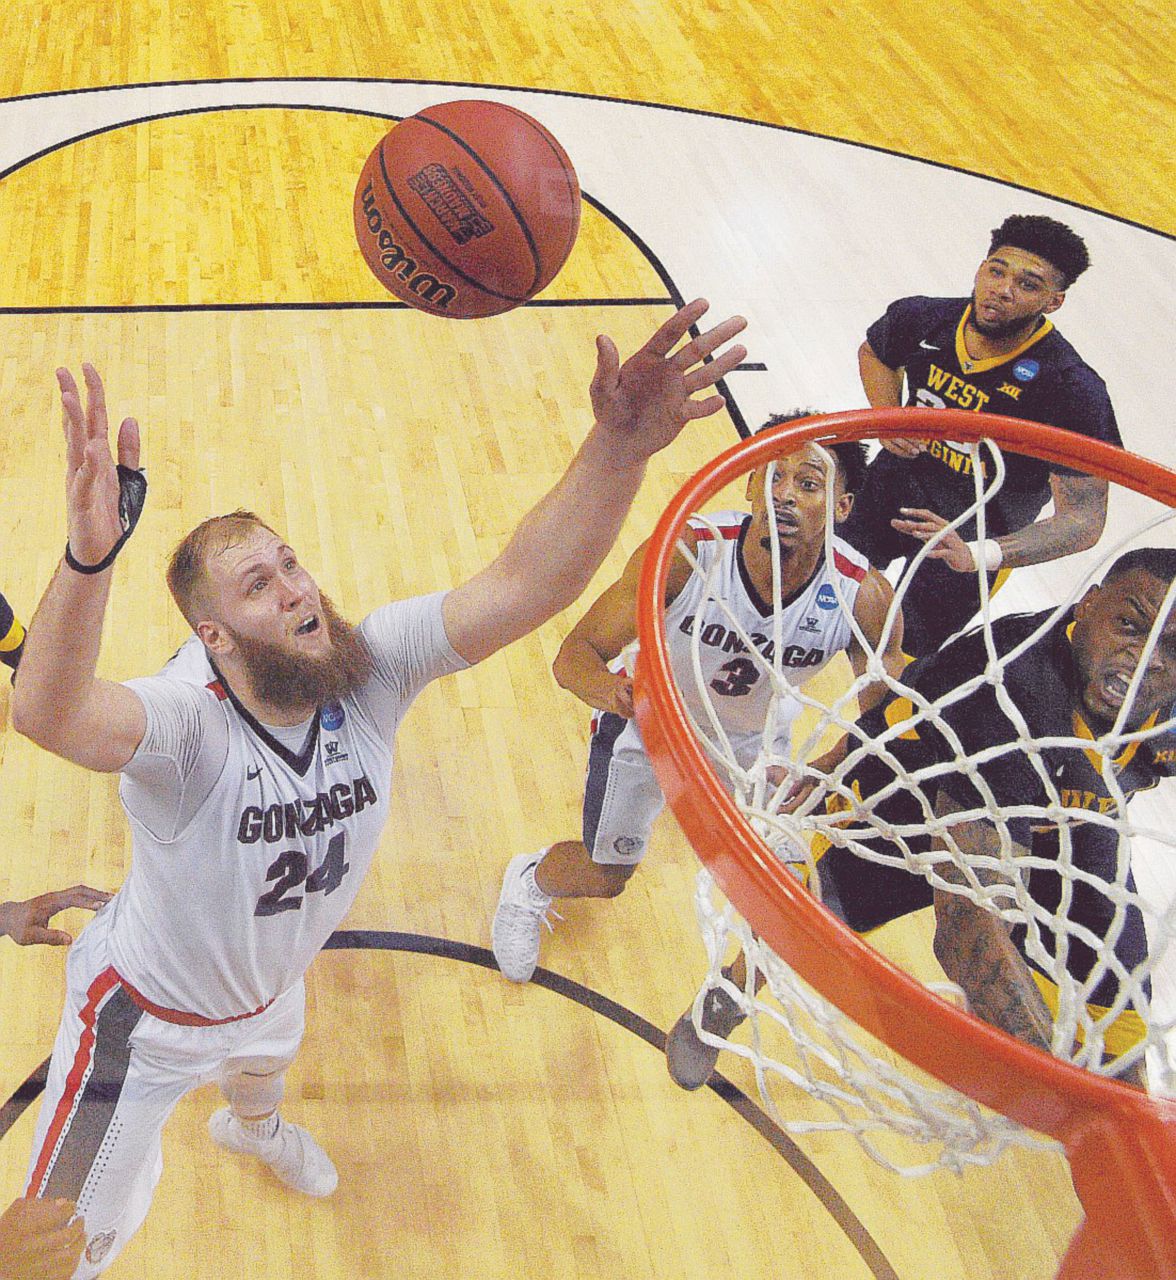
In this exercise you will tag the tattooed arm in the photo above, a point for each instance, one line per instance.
(975, 947)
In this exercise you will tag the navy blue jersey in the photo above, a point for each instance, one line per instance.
(1043, 380)
(1042, 684)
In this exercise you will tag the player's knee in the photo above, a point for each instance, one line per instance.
(615, 878)
(254, 1086)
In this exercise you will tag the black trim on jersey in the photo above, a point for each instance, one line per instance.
(300, 763)
(762, 607)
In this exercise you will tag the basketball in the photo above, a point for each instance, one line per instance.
(467, 209)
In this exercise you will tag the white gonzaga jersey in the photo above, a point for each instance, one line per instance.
(250, 842)
(813, 626)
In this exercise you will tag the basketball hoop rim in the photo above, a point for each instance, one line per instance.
(996, 1069)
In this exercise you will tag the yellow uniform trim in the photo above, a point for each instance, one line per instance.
(969, 365)
(14, 639)
(1127, 1030)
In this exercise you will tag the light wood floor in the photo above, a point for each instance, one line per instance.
(483, 1129)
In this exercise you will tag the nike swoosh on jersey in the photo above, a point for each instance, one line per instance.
(928, 347)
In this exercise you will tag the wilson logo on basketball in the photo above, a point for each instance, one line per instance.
(397, 262)
(438, 189)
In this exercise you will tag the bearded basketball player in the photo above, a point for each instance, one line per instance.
(256, 802)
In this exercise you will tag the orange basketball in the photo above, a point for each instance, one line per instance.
(467, 209)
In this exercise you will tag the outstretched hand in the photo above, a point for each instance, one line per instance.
(27, 923)
(91, 484)
(645, 402)
(918, 522)
(41, 1239)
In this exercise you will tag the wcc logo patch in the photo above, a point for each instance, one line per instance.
(99, 1246)
(1026, 370)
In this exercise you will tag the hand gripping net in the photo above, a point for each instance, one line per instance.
(799, 1039)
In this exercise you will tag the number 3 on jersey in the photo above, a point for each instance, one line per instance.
(739, 677)
(290, 869)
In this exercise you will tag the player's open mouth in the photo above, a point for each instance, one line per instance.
(1114, 688)
(308, 627)
(786, 522)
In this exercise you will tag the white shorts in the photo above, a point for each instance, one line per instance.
(622, 795)
(115, 1077)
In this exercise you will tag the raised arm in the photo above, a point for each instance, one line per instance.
(581, 666)
(883, 388)
(58, 702)
(640, 407)
(1080, 513)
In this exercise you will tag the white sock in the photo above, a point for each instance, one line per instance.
(261, 1130)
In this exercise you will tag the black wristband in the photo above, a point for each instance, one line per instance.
(132, 494)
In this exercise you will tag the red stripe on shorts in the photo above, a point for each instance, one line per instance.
(102, 985)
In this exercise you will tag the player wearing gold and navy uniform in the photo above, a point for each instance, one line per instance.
(12, 636)
(1046, 684)
(995, 352)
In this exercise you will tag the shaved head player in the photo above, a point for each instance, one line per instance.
(256, 802)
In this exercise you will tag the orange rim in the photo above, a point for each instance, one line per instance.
(1097, 1119)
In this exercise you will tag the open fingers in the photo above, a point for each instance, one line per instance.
(672, 332)
(708, 374)
(128, 444)
(95, 401)
(702, 346)
(72, 422)
(79, 895)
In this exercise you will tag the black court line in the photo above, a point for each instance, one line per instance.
(392, 304)
(445, 948)
(596, 97)
(676, 298)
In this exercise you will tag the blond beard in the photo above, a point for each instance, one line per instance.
(288, 681)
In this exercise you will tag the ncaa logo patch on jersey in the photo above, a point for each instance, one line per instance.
(1026, 370)
(827, 597)
(331, 717)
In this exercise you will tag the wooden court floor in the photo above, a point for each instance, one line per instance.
(483, 1129)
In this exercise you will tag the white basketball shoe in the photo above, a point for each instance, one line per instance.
(519, 919)
(293, 1155)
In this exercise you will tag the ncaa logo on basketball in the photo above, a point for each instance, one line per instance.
(827, 597)
(331, 717)
(1026, 370)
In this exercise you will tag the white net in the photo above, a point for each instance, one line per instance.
(1038, 727)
